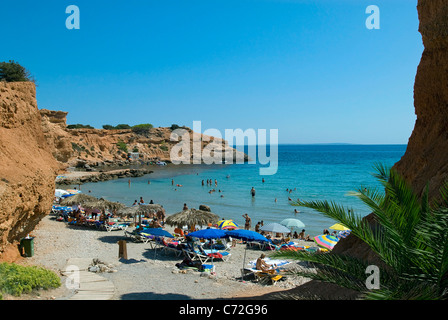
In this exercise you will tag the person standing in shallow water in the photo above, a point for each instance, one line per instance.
(252, 192)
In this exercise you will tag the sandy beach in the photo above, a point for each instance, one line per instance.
(146, 274)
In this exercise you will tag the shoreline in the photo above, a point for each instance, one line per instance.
(81, 177)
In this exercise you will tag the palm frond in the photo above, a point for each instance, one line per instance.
(408, 234)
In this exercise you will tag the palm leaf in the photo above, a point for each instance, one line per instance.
(408, 234)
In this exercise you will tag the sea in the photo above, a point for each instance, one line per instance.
(306, 172)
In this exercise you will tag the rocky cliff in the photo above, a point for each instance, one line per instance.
(426, 160)
(27, 168)
(100, 147)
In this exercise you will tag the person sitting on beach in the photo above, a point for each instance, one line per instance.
(326, 232)
(135, 203)
(263, 266)
(155, 224)
(185, 207)
(295, 235)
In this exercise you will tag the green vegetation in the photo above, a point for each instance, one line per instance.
(142, 128)
(122, 146)
(139, 128)
(409, 237)
(77, 147)
(12, 71)
(117, 127)
(174, 127)
(16, 279)
(79, 126)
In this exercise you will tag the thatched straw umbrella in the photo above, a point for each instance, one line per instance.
(80, 198)
(139, 210)
(103, 204)
(192, 217)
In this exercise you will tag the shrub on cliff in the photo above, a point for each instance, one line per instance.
(122, 146)
(16, 279)
(122, 126)
(142, 128)
(12, 71)
(79, 126)
(408, 235)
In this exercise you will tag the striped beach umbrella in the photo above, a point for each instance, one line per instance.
(227, 224)
(343, 234)
(326, 241)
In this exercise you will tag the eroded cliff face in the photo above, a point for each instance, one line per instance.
(74, 147)
(426, 157)
(27, 168)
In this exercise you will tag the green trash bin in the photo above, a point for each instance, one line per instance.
(27, 246)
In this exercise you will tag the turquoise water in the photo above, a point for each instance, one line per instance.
(316, 172)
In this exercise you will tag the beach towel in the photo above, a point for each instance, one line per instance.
(215, 255)
(269, 261)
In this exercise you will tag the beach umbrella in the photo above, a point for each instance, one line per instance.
(293, 223)
(157, 232)
(80, 198)
(59, 193)
(247, 235)
(343, 234)
(73, 191)
(227, 224)
(326, 241)
(339, 227)
(192, 217)
(275, 228)
(103, 205)
(139, 210)
(208, 233)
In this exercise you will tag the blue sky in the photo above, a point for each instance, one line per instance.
(309, 68)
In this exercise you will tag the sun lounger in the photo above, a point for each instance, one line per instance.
(263, 277)
(215, 254)
(168, 246)
(196, 254)
(137, 237)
